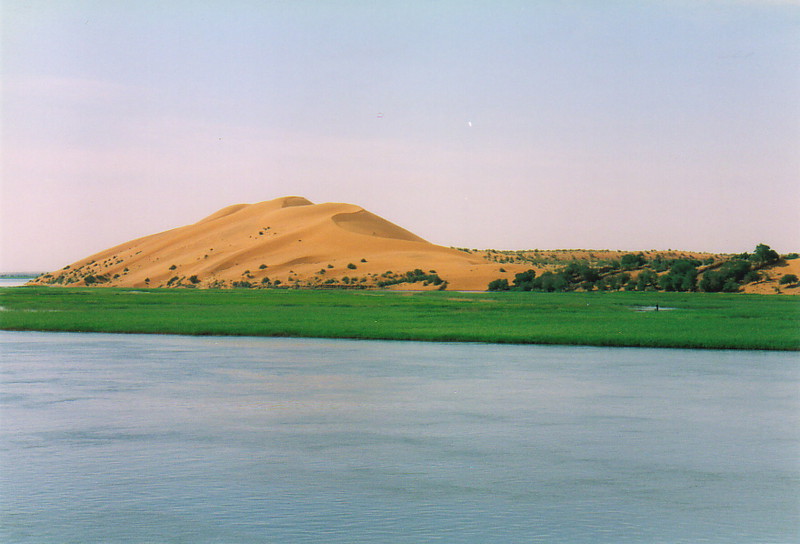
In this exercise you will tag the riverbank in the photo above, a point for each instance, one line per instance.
(696, 320)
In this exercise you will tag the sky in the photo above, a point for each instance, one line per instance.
(629, 125)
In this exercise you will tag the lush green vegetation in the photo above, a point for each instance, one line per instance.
(658, 274)
(597, 318)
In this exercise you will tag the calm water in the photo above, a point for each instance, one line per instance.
(115, 438)
(13, 282)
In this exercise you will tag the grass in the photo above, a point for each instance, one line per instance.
(698, 320)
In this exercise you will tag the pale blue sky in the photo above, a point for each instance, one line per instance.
(603, 125)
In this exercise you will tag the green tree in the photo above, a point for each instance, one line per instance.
(764, 255)
(646, 281)
(524, 280)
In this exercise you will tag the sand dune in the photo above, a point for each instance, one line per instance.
(288, 240)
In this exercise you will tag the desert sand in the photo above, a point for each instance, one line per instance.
(288, 240)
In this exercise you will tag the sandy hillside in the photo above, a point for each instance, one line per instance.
(771, 283)
(286, 241)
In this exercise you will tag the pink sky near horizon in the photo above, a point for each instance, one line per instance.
(488, 125)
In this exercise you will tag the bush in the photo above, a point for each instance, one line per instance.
(646, 281)
(351, 266)
(524, 280)
(412, 276)
(682, 276)
(173, 267)
(787, 279)
(551, 282)
(499, 285)
(631, 261)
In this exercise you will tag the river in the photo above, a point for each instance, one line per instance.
(136, 438)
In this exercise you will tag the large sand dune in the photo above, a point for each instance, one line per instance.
(288, 240)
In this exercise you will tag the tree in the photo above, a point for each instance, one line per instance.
(787, 279)
(682, 276)
(764, 255)
(646, 280)
(524, 280)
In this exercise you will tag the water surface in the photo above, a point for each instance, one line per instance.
(129, 438)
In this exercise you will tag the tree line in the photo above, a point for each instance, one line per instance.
(655, 275)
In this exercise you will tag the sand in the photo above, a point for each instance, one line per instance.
(288, 239)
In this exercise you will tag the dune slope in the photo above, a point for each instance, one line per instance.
(284, 241)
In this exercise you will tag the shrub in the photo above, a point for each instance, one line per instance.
(682, 276)
(242, 284)
(412, 276)
(630, 261)
(265, 280)
(262, 267)
(498, 285)
(363, 260)
(712, 282)
(787, 279)
(551, 282)
(788, 257)
(751, 276)
(194, 279)
(524, 280)
(646, 281)
(173, 267)
(351, 266)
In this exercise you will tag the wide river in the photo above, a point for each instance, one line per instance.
(134, 438)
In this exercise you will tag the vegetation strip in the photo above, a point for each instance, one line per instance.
(694, 320)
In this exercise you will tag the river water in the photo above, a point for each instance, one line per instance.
(135, 438)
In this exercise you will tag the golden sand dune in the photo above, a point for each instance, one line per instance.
(286, 241)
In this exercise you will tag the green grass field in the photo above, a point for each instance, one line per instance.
(696, 320)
